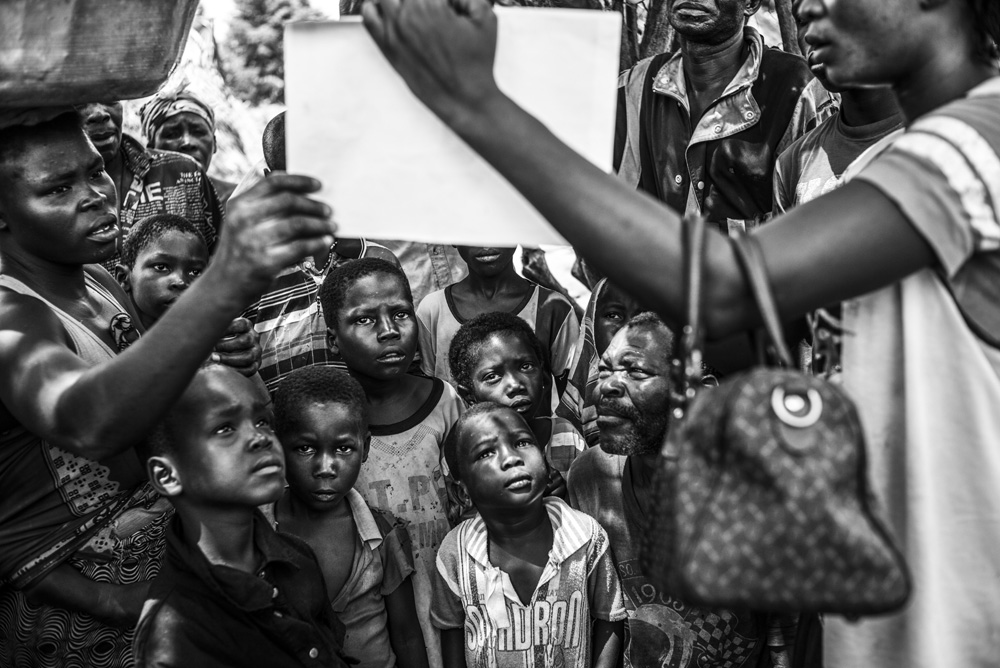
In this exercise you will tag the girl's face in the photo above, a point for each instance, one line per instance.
(376, 332)
(507, 370)
(614, 310)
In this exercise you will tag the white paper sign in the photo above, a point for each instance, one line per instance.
(392, 170)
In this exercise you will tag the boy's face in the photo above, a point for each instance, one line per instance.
(502, 465)
(189, 134)
(57, 201)
(376, 332)
(325, 447)
(486, 261)
(226, 452)
(103, 123)
(613, 310)
(163, 270)
(507, 371)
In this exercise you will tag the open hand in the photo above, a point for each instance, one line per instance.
(270, 227)
(443, 49)
(239, 348)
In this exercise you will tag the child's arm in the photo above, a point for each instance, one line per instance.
(65, 587)
(607, 646)
(453, 648)
(405, 636)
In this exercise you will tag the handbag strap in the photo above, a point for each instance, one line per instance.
(748, 251)
(686, 366)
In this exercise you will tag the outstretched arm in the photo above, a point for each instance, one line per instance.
(405, 636)
(444, 49)
(98, 411)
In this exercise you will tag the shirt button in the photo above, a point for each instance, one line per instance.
(718, 129)
(277, 613)
(313, 653)
(274, 593)
(678, 179)
(701, 185)
(749, 115)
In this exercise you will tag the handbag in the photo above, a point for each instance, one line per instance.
(761, 497)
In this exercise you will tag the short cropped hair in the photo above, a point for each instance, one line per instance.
(150, 229)
(14, 139)
(650, 319)
(333, 292)
(317, 385)
(452, 445)
(471, 336)
(273, 142)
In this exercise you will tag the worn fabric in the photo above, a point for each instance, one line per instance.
(553, 629)
(661, 630)
(290, 321)
(577, 403)
(564, 446)
(382, 561)
(203, 614)
(166, 182)
(428, 267)
(166, 105)
(927, 389)
(547, 312)
(722, 164)
(404, 476)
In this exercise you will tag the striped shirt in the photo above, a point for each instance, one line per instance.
(577, 585)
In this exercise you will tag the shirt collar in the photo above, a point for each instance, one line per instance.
(137, 159)
(670, 79)
(364, 521)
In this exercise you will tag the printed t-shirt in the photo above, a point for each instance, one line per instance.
(927, 389)
(661, 630)
(403, 475)
(578, 584)
(548, 313)
(382, 562)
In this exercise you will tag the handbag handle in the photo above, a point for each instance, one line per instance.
(686, 364)
(748, 251)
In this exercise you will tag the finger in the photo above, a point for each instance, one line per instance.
(282, 230)
(282, 181)
(238, 326)
(236, 344)
(285, 204)
(236, 360)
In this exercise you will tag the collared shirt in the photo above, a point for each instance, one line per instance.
(722, 164)
(428, 267)
(290, 321)
(202, 614)
(166, 182)
(382, 561)
(578, 584)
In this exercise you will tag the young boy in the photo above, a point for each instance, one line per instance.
(162, 256)
(232, 592)
(493, 285)
(369, 313)
(530, 581)
(496, 357)
(322, 420)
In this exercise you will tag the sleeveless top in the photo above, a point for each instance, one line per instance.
(54, 503)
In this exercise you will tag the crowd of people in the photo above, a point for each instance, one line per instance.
(229, 437)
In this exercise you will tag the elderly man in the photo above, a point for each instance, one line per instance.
(613, 484)
(150, 181)
(181, 121)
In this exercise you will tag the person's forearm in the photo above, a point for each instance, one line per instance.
(65, 587)
(112, 406)
(607, 643)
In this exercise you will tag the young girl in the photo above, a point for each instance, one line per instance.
(530, 581)
(911, 241)
(321, 418)
(369, 313)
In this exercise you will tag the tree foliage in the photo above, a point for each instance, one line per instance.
(255, 55)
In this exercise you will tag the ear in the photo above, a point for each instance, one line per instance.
(461, 493)
(367, 446)
(466, 395)
(331, 341)
(751, 7)
(215, 144)
(122, 275)
(267, 172)
(164, 476)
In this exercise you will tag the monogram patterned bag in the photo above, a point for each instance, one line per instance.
(762, 496)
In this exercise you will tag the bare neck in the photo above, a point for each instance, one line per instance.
(709, 68)
(55, 282)
(864, 106)
(225, 537)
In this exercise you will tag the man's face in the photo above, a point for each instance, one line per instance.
(613, 310)
(103, 123)
(56, 200)
(863, 42)
(227, 453)
(634, 390)
(189, 134)
(710, 21)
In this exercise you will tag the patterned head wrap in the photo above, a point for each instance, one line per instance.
(168, 104)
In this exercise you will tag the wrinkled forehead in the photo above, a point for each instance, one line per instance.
(647, 341)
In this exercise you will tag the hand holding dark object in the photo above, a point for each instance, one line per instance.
(271, 226)
(443, 49)
(239, 348)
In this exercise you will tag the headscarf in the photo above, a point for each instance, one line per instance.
(167, 105)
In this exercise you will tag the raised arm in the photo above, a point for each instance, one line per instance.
(445, 49)
(98, 411)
